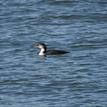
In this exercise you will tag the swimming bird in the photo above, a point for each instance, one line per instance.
(44, 51)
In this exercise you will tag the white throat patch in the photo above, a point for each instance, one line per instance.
(42, 52)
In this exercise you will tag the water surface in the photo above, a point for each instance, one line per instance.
(77, 79)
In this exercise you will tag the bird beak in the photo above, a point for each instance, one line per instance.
(35, 46)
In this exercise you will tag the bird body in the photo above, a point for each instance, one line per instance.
(44, 51)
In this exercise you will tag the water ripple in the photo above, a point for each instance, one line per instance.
(75, 79)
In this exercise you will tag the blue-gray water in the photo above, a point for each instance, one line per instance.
(77, 79)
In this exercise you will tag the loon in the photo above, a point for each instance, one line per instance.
(44, 51)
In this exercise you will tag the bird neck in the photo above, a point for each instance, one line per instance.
(42, 51)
